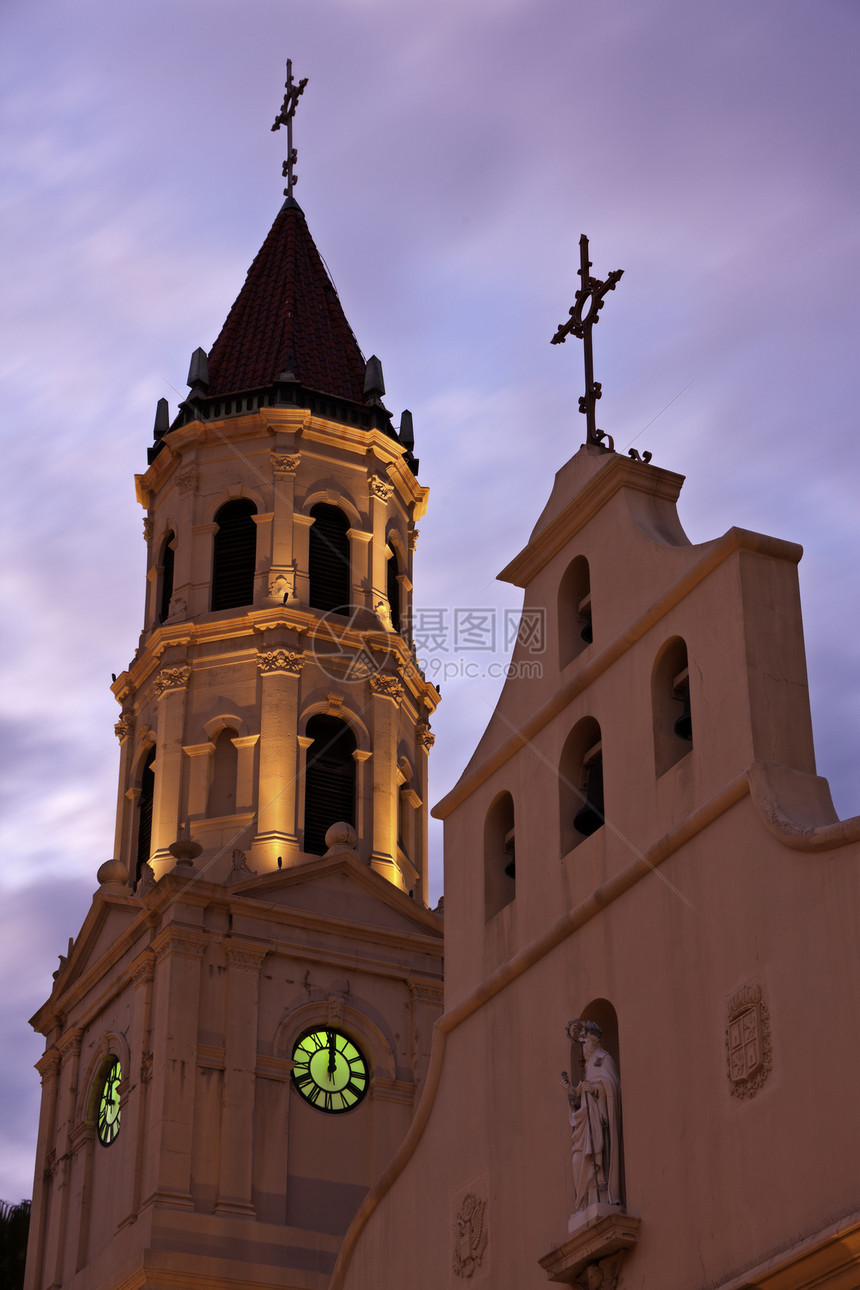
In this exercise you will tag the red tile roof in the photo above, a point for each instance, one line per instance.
(287, 316)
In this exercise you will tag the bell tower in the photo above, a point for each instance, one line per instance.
(237, 1037)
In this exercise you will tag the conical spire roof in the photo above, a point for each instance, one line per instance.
(287, 318)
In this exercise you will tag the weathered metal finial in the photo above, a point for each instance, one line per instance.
(285, 117)
(580, 325)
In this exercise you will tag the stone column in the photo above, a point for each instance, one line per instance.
(282, 575)
(387, 692)
(244, 960)
(263, 561)
(60, 1242)
(380, 494)
(200, 587)
(169, 1126)
(199, 777)
(41, 1213)
(280, 670)
(245, 746)
(361, 562)
(142, 977)
(424, 740)
(124, 731)
(170, 686)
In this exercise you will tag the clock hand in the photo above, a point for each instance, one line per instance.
(332, 1054)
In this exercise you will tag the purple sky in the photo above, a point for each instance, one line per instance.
(449, 157)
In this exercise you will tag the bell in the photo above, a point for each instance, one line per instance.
(684, 725)
(589, 818)
(586, 633)
(510, 850)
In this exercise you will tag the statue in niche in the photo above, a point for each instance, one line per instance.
(595, 1121)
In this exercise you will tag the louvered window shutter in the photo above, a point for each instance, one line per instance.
(329, 780)
(166, 578)
(144, 814)
(394, 592)
(328, 560)
(235, 555)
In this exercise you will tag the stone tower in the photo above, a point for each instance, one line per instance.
(237, 1037)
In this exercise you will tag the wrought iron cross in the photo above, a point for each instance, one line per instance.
(581, 321)
(285, 117)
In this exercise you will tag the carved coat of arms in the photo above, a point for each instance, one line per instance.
(470, 1235)
(748, 1041)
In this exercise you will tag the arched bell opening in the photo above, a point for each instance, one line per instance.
(329, 779)
(234, 555)
(145, 802)
(329, 575)
(500, 862)
(575, 630)
(166, 566)
(671, 708)
(581, 801)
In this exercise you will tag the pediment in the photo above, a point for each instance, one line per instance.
(103, 933)
(343, 888)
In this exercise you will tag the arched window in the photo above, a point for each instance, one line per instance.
(500, 886)
(393, 590)
(225, 762)
(670, 702)
(329, 780)
(235, 555)
(166, 591)
(581, 784)
(144, 814)
(328, 560)
(574, 611)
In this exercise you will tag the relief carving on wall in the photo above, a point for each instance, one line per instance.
(470, 1235)
(748, 1052)
(172, 678)
(187, 483)
(285, 463)
(280, 660)
(426, 737)
(125, 726)
(601, 1275)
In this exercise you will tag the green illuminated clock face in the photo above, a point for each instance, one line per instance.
(108, 1123)
(329, 1071)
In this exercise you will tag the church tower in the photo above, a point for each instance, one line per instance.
(236, 1040)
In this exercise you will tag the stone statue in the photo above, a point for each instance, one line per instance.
(595, 1121)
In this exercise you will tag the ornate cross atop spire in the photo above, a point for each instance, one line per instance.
(580, 325)
(285, 117)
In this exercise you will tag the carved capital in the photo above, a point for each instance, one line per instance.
(412, 537)
(389, 687)
(147, 529)
(425, 735)
(174, 944)
(145, 1067)
(172, 678)
(244, 957)
(48, 1065)
(142, 973)
(69, 1044)
(284, 463)
(426, 991)
(187, 482)
(381, 488)
(280, 660)
(125, 726)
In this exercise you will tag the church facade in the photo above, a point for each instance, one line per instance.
(642, 1071)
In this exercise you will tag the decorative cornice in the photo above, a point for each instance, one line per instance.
(280, 660)
(172, 678)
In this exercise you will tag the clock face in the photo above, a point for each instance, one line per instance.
(108, 1122)
(329, 1071)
